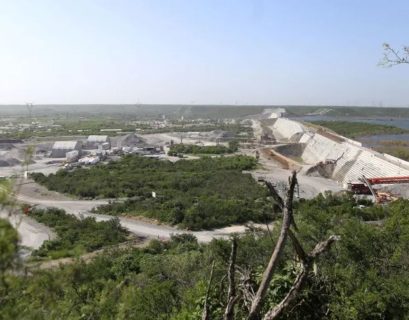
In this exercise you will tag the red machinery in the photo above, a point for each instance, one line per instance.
(358, 188)
(366, 187)
(389, 180)
(27, 209)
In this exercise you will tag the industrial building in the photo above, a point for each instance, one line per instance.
(72, 156)
(61, 148)
(94, 141)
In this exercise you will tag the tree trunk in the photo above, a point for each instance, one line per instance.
(272, 264)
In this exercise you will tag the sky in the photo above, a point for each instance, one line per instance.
(265, 52)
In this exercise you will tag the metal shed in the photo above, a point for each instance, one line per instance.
(60, 148)
(94, 141)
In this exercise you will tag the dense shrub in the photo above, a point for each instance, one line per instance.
(178, 149)
(75, 236)
(365, 275)
(358, 129)
(196, 194)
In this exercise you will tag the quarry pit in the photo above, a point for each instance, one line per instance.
(318, 152)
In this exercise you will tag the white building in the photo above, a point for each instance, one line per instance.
(94, 141)
(60, 148)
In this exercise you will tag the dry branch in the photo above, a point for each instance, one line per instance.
(307, 262)
(205, 313)
(393, 57)
(275, 195)
(272, 264)
(231, 294)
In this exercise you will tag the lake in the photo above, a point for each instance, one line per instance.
(368, 141)
(396, 122)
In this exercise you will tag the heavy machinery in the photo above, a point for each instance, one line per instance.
(379, 197)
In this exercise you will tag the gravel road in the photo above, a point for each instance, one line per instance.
(32, 234)
(35, 194)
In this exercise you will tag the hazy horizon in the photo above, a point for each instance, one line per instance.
(272, 53)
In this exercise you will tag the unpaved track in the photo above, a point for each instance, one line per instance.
(32, 234)
(35, 194)
(309, 187)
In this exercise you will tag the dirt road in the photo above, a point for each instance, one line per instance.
(35, 194)
(32, 234)
(309, 187)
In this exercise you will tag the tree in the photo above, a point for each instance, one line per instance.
(306, 260)
(392, 57)
(8, 249)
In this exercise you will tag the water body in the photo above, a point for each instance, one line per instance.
(368, 141)
(396, 122)
(372, 141)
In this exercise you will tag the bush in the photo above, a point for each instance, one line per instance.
(75, 236)
(195, 194)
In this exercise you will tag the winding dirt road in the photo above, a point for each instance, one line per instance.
(34, 194)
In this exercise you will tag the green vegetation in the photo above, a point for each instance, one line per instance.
(75, 236)
(358, 129)
(8, 247)
(364, 276)
(177, 126)
(347, 111)
(195, 194)
(5, 188)
(73, 128)
(178, 149)
(85, 124)
(396, 148)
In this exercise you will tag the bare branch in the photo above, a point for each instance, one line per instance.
(205, 313)
(269, 271)
(245, 286)
(231, 294)
(323, 246)
(392, 57)
(297, 246)
(275, 195)
(290, 297)
(279, 200)
(306, 266)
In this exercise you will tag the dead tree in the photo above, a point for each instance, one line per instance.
(254, 300)
(287, 209)
(232, 297)
(307, 260)
(205, 313)
(392, 57)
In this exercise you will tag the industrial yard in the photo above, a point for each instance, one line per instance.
(325, 162)
(271, 144)
(185, 160)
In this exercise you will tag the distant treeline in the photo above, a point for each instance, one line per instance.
(355, 111)
(145, 111)
(359, 129)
